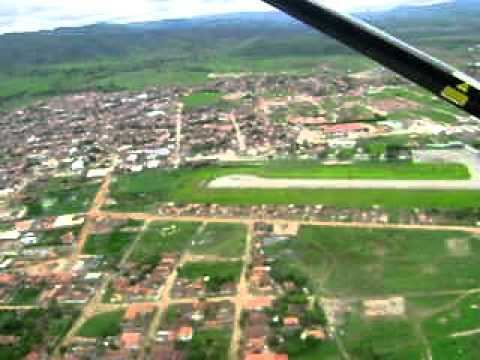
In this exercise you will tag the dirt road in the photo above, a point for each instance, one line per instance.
(251, 221)
(242, 297)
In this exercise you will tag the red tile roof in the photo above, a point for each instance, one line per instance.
(131, 340)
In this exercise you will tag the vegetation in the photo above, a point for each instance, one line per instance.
(349, 262)
(227, 240)
(121, 57)
(110, 246)
(383, 338)
(54, 237)
(218, 273)
(102, 325)
(202, 99)
(33, 328)
(26, 296)
(208, 345)
(162, 237)
(60, 196)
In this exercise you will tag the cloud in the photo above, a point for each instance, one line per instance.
(32, 15)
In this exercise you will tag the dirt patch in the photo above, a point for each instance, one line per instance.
(459, 247)
(397, 104)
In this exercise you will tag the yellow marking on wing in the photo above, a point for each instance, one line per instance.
(464, 87)
(455, 96)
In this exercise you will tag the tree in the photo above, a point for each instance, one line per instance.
(346, 154)
(376, 150)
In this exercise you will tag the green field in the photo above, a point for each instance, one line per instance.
(208, 344)
(347, 261)
(102, 325)
(201, 99)
(384, 338)
(429, 106)
(60, 196)
(161, 237)
(220, 272)
(54, 237)
(111, 246)
(143, 191)
(227, 240)
(26, 296)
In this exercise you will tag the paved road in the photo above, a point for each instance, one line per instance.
(254, 182)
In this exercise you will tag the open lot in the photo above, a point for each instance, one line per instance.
(110, 246)
(434, 272)
(60, 196)
(218, 273)
(201, 99)
(226, 240)
(162, 237)
(102, 325)
(363, 262)
(143, 191)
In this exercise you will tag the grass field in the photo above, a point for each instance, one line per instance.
(227, 240)
(346, 261)
(219, 273)
(429, 106)
(162, 237)
(385, 338)
(54, 237)
(208, 344)
(26, 296)
(201, 98)
(110, 246)
(60, 196)
(102, 325)
(325, 351)
(189, 186)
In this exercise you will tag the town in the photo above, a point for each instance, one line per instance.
(121, 239)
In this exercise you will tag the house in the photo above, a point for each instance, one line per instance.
(97, 173)
(24, 226)
(131, 340)
(291, 322)
(166, 352)
(136, 310)
(286, 229)
(318, 334)
(78, 165)
(351, 130)
(259, 303)
(116, 355)
(266, 356)
(68, 221)
(185, 334)
(10, 235)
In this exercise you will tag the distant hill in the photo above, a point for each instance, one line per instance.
(111, 57)
(245, 34)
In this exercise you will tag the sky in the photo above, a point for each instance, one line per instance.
(33, 15)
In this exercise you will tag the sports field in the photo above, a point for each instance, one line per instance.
(143, 191)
